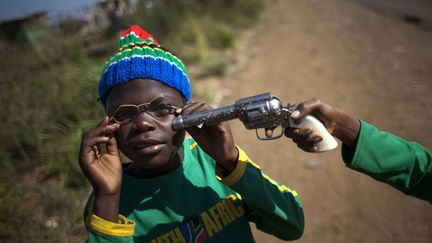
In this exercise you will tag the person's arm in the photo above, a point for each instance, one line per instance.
(104, 171)
(339, 123)
(273, 207)
(405, 165)
(101, 230)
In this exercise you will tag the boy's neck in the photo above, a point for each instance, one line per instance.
(172, 164)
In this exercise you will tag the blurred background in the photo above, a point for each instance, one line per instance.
(371, 58)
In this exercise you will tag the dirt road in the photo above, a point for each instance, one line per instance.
(376, 67)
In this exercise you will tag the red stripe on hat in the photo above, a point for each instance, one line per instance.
(140, 32)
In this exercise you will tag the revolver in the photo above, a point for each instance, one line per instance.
(259, 112)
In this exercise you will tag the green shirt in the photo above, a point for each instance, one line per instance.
(404, 165)
(191, 204)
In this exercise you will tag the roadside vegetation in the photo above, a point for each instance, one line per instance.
(48, 98)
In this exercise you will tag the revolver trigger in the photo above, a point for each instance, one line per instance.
(269, 135)
(268, 132)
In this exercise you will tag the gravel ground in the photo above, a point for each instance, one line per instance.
(375, 66)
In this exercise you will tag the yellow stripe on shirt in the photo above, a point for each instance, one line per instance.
(124, 227)
(280, 187)
(193, 145)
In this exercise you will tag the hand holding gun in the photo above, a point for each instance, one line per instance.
(262, 111)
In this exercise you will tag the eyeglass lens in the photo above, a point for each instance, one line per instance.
(155, 108)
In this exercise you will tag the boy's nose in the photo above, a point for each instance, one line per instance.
(144, 122)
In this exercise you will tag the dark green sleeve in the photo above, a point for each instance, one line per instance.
(273, 207)
(404, 165)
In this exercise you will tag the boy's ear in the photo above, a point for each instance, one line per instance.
(104, 101)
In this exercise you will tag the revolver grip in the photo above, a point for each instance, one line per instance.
(328, 142)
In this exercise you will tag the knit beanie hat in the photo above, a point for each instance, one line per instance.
(141, 56)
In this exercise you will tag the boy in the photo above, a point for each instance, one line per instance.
(175, 190)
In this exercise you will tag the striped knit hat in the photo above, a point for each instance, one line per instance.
(140, 56)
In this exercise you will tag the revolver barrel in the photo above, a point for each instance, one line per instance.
(209, 118)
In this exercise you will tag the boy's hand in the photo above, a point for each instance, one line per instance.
(217, 140)
(103, 170)
(339, 123)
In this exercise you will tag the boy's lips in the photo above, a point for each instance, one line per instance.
(148, 146)
(150, 149)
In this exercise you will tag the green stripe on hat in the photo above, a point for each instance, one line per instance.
(145, 50)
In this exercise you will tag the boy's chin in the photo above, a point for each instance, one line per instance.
(154, 164)
(157, 161)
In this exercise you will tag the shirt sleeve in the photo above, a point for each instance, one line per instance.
(273, 207)
(101, 230)
(405, 165)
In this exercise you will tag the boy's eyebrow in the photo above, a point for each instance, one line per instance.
(163, 97)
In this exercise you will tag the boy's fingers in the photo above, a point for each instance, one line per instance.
(103, 122)
(308, 148)
(302, 137)
(289, 132)
(195, 107)
(305, 108)
(297, 133)
(90, 144)
(96, 150)
(101, 130)
(269, 132)
(107, 137)
(189, 106)
(295, 114)
(111, 146)
(310, 140)
(178, 111)
(299, 112)
(91, 149)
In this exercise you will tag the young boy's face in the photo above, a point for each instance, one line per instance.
(146, 139)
